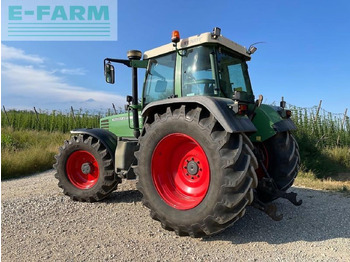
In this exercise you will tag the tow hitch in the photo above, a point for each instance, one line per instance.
(267, 185)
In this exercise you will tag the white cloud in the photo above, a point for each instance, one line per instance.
(12, 53)
(74, 71)
(35, 84)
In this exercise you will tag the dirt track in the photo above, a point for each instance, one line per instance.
(39, 222)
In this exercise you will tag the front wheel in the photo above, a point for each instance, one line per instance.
(195, 178)
(84, 169)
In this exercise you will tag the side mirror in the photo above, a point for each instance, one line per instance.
(109, 73)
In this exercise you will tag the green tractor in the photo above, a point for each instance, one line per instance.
(199, 144)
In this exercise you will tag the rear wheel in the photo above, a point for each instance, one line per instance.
(280, 155)
(84, 169)
(195, 177)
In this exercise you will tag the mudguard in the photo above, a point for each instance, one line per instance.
(268, 120)
(220, 108)
(108, 139)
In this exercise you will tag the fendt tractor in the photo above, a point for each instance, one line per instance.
(199, 144)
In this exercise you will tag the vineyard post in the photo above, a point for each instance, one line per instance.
(72, 111)
(8, 120)
(115, 110)
(342, 124)
(37, 115)
(317, 112)
(314, 126)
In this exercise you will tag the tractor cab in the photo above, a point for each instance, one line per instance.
(203, 65)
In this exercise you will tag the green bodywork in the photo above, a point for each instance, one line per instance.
(266, 116)
(139, 63)
(120, 125)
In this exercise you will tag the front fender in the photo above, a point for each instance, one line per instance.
(268, 121)
(108, 139)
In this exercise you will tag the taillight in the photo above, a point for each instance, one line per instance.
(242, 109)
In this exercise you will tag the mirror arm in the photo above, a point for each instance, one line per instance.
(120, 61)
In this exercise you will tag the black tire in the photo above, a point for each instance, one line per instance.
(283, 162)
(232, 167)
(102, 186)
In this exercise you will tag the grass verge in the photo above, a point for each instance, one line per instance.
(309, 179)
(27, 151)
(324, 168)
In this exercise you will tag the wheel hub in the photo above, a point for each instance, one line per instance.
(192, 168)
(86, 168)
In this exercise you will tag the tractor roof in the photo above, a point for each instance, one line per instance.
(196, 40)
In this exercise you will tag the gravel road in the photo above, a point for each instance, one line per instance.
(39, 223)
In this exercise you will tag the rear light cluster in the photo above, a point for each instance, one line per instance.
(242, 109)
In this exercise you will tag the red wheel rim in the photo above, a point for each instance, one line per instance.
(180, 171)
(82, 169)
(265, 155)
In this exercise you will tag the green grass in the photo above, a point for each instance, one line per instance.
(325, 168)
(324, 141)
(310, 180)
(27, 151)
(324, 162)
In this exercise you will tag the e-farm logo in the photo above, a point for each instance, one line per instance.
(59, 20)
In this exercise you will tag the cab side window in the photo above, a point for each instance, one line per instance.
(198, 76)
(160, 78)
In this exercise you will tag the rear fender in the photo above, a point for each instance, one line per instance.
(220, 108)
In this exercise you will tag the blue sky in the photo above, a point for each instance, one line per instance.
(306, 56)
